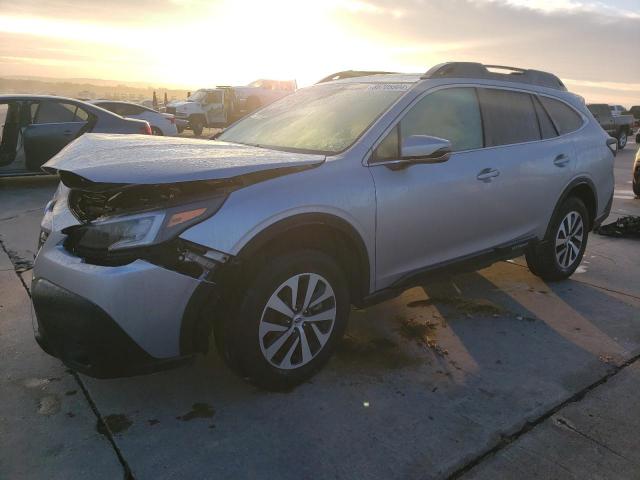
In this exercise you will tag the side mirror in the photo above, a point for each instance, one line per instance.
(422, 149)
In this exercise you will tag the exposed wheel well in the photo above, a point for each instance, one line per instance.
(585, 192)
(324, 233)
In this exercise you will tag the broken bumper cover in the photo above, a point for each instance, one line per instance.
(86, 338)
(109, 321)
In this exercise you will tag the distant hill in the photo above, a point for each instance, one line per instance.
(79, 80)
(86, 88)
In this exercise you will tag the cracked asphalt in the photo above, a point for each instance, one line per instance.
(492, 374)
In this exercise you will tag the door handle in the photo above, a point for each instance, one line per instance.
(487, 174)
(561, 160)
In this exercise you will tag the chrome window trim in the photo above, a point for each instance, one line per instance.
(367, 159)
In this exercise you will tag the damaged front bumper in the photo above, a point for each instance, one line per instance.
(113, 321)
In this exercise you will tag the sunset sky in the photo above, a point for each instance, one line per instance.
(594, 45)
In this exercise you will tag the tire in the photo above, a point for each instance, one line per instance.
(636, 186)
(266, 346)
(622, 139)
(638, 137)
(551, 262)
(156, 131)
(180, 129)
(197, 126)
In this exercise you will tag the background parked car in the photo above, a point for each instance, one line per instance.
(161, 123)
(218, 107)
(618, 126)
(34, 128)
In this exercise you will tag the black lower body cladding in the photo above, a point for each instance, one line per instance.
(85, 337)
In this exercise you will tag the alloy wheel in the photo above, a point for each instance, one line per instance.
(297, 321)
(569, 239)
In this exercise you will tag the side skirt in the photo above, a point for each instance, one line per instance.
(465, 264)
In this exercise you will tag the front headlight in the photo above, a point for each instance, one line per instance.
(139, 230)
(118, 233)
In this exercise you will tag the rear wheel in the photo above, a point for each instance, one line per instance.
(292, 313)
(558, 256)
(622, 139)
(636, 185)
(156, 131)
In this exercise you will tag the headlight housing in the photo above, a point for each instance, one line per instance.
(115, 234)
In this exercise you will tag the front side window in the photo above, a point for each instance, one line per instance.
(452, 114)
(509, 117)
(564, 117)
(325, 118)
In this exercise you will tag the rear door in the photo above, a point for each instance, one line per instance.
(532, 163)
(53, 125)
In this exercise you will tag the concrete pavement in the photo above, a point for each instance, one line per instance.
(469, 377)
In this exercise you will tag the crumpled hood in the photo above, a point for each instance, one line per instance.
(146, 159)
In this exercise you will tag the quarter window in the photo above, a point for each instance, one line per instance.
(509, 117)
(452, 114)
(546, 125)
(565, 118)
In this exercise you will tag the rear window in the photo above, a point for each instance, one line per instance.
(564, 117)
(509, 117)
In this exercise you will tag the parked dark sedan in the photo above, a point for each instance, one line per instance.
(34, 128)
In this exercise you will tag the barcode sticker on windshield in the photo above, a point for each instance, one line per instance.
(389, 86)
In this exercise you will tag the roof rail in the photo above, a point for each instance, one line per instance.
(480, 71)
(351, 74)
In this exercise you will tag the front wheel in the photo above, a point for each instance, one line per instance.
(622, 139)
(559, 255)
(292, 313)
(197, 125)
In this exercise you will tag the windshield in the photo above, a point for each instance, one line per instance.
(327, 118)
(197, 96)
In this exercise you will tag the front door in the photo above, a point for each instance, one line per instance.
(214, 106)
(10, 121)
(428, 214)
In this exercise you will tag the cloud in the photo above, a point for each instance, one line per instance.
(591, 42)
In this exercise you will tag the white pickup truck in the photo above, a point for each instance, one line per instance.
(223, 105)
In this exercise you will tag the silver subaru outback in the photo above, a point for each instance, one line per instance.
(344, 193)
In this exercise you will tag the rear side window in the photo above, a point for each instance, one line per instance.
(452, 114)
(509, 117)
(564, 117)
(546, 125)
(58, 112)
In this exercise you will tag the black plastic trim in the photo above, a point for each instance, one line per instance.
(86, 338)
(464, 264)
(310, 219)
